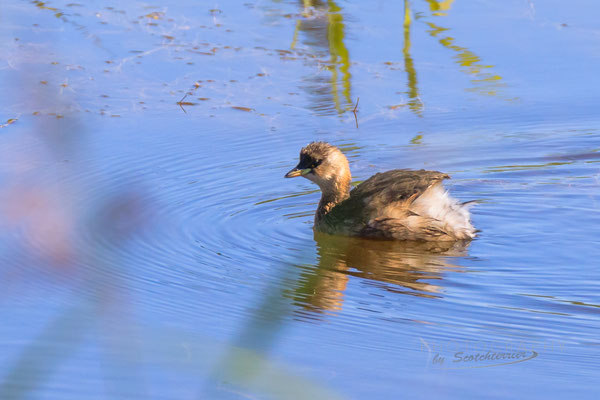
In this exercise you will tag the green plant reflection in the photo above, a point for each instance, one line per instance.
(439, 8)
(483, 80)
(414, 104)
(324, 29)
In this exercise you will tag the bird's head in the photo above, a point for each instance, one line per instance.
(323, 164)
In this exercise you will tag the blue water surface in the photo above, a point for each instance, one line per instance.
(150, 247)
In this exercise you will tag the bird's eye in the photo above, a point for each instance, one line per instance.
(315, 164)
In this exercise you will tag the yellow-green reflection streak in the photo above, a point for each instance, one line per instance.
(524, 167)
(295, 38)
(324, 21)
(340, 56)
(414, 102)
(485, 83)
(439, 8)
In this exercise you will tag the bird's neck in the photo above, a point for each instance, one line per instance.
(332, 195)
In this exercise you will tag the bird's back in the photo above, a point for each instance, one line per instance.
(400, 204)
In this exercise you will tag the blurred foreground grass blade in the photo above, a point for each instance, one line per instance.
(40, 359)
(250, 368)
(245, 363)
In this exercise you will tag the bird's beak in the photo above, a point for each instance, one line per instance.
(297, 172)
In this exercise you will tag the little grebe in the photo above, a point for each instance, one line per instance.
(400, 204)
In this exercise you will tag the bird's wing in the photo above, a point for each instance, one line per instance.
(397, 187)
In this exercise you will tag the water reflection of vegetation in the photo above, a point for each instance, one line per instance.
(485, 83)
(325, 23)
(340, 57)
(399, 267)
(415, 103)
(506, 168)
(439, 8)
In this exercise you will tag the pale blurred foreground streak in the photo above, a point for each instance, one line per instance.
(65, 229)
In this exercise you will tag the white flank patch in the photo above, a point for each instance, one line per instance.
(437, 203)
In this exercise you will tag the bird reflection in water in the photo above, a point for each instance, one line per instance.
(405, 267)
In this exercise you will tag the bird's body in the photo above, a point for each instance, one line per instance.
(399, 204)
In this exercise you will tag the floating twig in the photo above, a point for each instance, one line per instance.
(354, 112)
(181, 103)
(183, 98)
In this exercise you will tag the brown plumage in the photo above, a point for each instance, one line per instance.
(399, 204)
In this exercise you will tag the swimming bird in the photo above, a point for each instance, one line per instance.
(400, 204)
